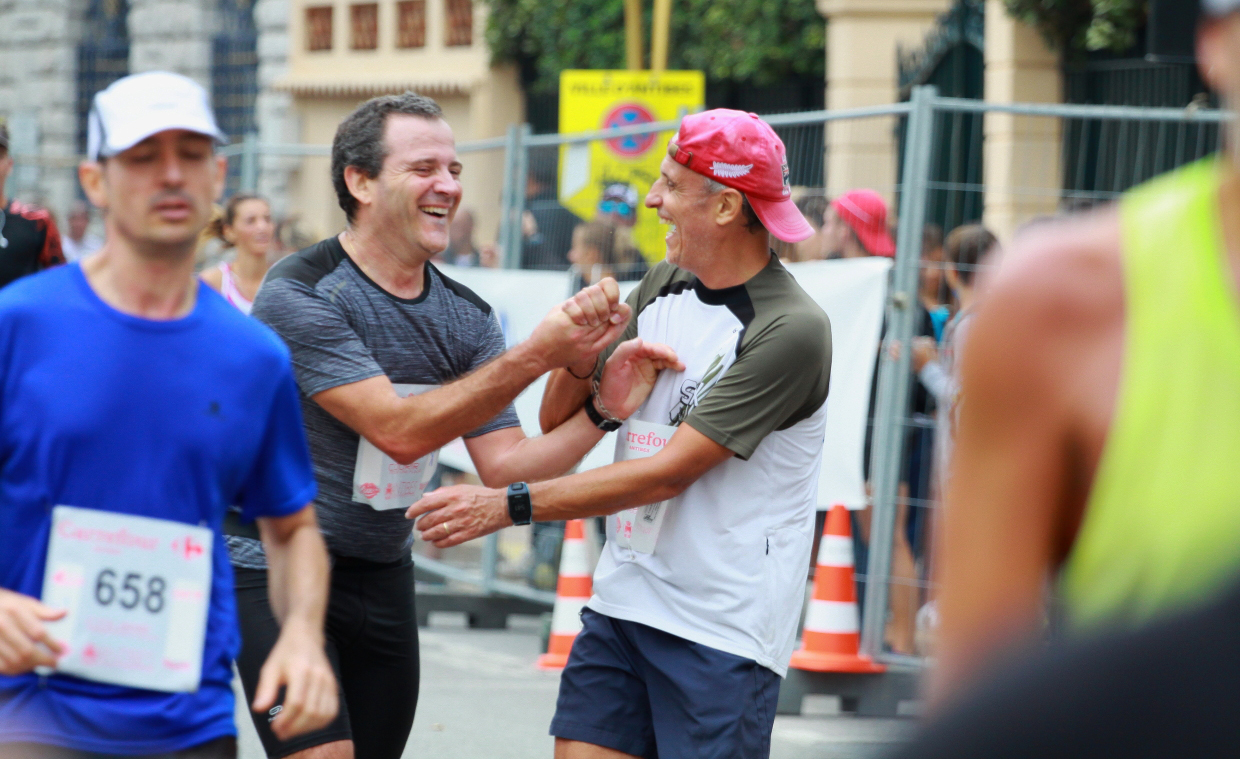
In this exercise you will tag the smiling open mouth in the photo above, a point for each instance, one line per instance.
(434, 211)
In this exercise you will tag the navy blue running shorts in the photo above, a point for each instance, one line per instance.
(645, 692)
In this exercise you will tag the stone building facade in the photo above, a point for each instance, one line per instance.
(253, 57)
(55, 53)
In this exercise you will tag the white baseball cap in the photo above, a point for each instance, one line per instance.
(138, 106)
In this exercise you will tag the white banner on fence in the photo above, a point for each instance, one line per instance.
(852, 292)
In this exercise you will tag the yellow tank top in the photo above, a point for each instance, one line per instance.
(1162, 526)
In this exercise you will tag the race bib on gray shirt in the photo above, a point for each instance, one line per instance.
(341, 327)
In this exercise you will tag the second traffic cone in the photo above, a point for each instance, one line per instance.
(832, 625)
(571, 593)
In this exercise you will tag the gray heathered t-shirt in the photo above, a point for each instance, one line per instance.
(341, 327)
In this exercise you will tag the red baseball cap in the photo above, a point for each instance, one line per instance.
(741, 151)
(865, 212)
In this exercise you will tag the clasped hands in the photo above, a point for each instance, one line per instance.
(585, 325)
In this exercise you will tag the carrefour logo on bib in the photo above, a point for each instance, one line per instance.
(652, 439)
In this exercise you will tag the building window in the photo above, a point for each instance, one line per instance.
(411, 23)
(460, 22)
(319, 28)
(365, 19)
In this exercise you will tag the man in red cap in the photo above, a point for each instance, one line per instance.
(855, 226)
(711, 500)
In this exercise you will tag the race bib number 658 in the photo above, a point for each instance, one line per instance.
(136, 590)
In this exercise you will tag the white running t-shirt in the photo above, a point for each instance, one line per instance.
(728, 568)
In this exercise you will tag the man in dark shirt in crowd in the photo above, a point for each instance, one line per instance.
(29, 241)
(546, 226)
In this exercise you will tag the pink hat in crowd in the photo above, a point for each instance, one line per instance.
(741, 151)
(866, 213)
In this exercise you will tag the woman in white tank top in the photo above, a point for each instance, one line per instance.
(246, 226)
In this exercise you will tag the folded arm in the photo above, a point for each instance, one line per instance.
(506, 456)
(568, 388)
(409, 428)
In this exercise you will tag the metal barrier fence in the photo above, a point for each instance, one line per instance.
(1039, 160)
(1067, 157)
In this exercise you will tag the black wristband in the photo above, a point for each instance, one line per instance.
(597, 419)
(520, 509)
(589, 374)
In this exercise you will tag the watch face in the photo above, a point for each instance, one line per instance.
(520, 510)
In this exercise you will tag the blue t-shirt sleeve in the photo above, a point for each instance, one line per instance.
(282, 480)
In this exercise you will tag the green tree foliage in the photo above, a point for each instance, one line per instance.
(757, 41)
(1075, 26)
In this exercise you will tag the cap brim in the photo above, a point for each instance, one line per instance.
(127, 141)
(783, 219)
(878, 243)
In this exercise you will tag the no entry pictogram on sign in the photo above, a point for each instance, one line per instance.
(625, 115)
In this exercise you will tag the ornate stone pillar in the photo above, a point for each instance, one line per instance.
(1022, 153)
(862, 40)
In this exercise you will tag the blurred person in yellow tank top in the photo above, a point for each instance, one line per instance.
(1098, 448)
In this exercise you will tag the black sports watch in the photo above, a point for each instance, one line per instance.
(520, 510)
(598, 420)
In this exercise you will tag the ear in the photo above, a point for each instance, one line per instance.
(221, 176)
(90, 174)
(360, 185)
(728, 208)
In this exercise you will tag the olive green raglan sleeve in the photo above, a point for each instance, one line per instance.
(780, 377)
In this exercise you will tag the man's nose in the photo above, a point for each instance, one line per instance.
(170, 172)
(447, 184)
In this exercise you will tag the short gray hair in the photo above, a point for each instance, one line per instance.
(752, 223)
(359, 139)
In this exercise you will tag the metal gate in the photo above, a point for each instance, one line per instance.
(102, 55)
(951, 60)
(234, 76)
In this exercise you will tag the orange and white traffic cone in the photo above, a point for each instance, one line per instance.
(832, 630)
(571, 593)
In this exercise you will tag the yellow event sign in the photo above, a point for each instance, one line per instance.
(591, 100)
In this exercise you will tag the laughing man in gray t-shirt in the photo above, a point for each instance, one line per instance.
(393, 360)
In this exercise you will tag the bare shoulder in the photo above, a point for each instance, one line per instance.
(1059, 279)
(213, 277)
(1055, 301)
(1064, 271)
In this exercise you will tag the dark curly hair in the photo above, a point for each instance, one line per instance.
(359, 139)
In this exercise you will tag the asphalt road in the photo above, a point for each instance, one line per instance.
(483, 698)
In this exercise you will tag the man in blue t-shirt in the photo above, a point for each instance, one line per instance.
(136, 405)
